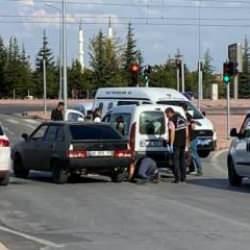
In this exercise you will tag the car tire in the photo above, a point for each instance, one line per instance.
(5, 181)
(234, 179)
(19, 170)
(119, 176)
(60, 175)
(74, 177)
(204, 153)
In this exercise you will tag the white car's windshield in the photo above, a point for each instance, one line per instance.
(196, 113)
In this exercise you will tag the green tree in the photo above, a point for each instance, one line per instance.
(45, 53)
(244, 77)
(3, 59)
(208, 71)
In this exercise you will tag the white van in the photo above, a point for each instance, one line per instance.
(107, 98)
(145, 127)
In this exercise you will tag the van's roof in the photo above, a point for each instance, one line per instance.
(146, 107)
(140, 93)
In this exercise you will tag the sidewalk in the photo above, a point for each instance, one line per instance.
(2, 247)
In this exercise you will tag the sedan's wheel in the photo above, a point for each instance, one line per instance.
(60, 175)
(234, 179)
(5, 181)
(119, 176)
(19, 170)
(203, 153)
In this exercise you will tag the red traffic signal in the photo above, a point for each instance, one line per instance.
(135, 68)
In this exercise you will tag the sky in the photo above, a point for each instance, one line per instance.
(161, 26)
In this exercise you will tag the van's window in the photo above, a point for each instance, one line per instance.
(100, 106)
(245, 128)
(110, 106)
(121, 103)
(121, 122)
(152, 123)
(196, 113)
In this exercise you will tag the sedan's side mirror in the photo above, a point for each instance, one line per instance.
(233, 132)
(204, 113)
(25, 137)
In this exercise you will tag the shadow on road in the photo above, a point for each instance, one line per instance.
(218, 183)
(47, 178)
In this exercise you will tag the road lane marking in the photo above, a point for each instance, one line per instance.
(31, 238)
(12, 121)
(216, 164)
(32, 121)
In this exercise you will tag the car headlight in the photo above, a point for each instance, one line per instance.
(214, 136)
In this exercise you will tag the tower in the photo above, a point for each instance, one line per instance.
(81, 47)
(110, 29)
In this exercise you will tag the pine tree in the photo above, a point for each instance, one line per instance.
(45, 53)
(208, 70)
(244, 78)
(3, 60)
(131, 54)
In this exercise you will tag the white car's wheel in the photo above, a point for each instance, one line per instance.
(234, 179)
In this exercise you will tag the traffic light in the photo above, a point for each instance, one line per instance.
(134, 70)
(230, 69)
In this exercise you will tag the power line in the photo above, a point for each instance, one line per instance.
(87, 16)
(112, 4)
(125, 23)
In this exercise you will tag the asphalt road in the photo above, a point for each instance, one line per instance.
(95, 214)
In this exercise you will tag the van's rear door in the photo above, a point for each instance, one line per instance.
(152, 131)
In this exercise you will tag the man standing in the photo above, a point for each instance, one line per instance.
(178, 140)
(57, 114)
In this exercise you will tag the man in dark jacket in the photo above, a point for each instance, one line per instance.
(57, 114)
(178, 140)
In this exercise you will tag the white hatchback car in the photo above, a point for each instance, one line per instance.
(239, 154)
(5, 159)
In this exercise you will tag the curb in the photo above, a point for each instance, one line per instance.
(3, 247)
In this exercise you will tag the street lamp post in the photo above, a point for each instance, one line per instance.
(64, 56)
(44, 86)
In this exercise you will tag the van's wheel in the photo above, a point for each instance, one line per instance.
(74, 177)
(19, 170)
(234, 179)
(119, 175)
(5, 181)
(60, 175)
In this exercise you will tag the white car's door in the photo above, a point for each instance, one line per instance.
(242, 150)
(74, 116)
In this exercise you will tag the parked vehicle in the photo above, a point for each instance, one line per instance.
(238, 161)
(84, 107)
(145, 127)
(5, 159)
(72, 115)
(71, 149)
(107, 98)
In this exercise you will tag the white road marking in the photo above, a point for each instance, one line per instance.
(215, 163)
(31, 238)
(12, 121)
(32, 121)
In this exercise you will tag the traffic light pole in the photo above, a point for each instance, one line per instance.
(228, 111)
(200, 88)
(236, 86)
(178, 78)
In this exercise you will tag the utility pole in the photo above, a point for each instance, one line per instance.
(178, 78)
(228, 111)
(200, 85)
(64, 56)
(44, 86)
(182, 76)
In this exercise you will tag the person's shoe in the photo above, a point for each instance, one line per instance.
(156, 179)
(199, 173)
(141, 181)
(175, 181)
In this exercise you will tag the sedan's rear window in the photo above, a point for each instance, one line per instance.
(93, 132)
(1, 131)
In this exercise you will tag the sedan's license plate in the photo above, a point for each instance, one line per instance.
(100, 153)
